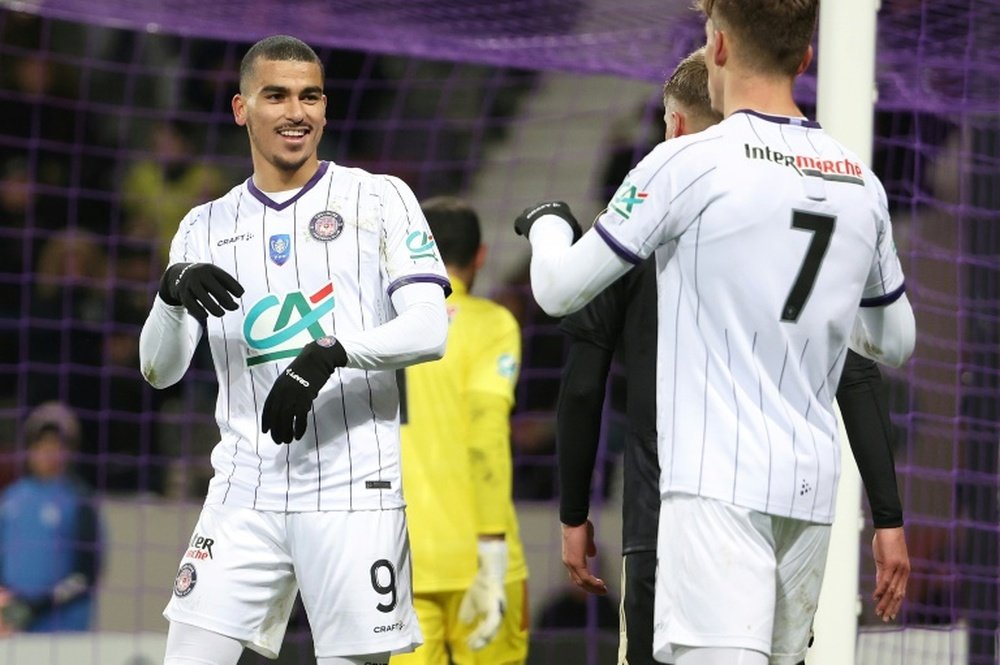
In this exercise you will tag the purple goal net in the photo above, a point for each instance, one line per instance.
(115, 119)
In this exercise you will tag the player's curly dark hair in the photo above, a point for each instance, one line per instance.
(773, 35)
(276, 47)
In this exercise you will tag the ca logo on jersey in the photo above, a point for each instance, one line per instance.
(276, 328)
(626, 198)
(421, 245)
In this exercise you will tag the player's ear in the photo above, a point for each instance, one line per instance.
(678, 124)
(720, 50)
(806, 60)
(239, 110)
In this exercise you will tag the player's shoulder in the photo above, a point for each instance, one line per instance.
(382, 182)
(487, 315)
(227, 204)
(698, 147)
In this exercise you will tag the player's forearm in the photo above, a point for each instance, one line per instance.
(885, 334)
(489, 451)
(417, 334)
(865, 410)
(578, 425)
(167, 343)
(566, 277)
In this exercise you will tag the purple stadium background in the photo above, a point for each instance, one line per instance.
(115, 120)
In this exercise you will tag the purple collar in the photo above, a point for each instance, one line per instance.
(266, 200)
(782, 119)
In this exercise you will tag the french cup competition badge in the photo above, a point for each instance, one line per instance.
(326, 225)
(280, 247)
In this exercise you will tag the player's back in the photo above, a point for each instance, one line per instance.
(771, 238)
(482, 356)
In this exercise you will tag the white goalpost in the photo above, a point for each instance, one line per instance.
(845, 101)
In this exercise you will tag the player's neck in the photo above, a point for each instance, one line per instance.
(765, 95)
(268, 178)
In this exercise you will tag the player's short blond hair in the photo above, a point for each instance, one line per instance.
(772, 35)
(688, 86)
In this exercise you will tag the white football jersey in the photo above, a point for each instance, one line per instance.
(770, 236)
(324, 262)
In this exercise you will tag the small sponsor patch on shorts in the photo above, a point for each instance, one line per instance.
(378, 485)
(186, 578)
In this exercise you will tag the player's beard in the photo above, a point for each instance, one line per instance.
(274, 158)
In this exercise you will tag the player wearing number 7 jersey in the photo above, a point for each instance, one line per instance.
(774, 251)
(313, 283)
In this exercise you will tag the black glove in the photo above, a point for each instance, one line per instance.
(200, 287)
(522, 225)
(287, 406)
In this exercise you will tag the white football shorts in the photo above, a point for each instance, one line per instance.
(733, 577)
(242, 568)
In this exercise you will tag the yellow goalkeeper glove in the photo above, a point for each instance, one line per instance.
(486, 599)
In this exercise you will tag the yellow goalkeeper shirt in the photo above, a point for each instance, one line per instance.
(456, 445)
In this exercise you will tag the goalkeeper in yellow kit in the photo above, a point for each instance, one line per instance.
(469, 574)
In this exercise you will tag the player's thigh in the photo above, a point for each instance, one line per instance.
(510, 646)
(801, 558)
(187, 645)
(354, 573)
(432, 614)
(715, 581)
(638, 595)
(236, 577)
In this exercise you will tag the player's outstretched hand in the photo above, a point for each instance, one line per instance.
(200, 287)
(486, 599)
(286, 409)
(524, 221)
(577, 545)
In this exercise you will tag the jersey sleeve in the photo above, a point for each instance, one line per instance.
(188, 245)
(659, 199)
(865, 409)
(169, 336)
(885, 279)
(601, 321)
(409, 253)
(491, 394)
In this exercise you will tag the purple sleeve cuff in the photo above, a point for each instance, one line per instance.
(421, 277)
(621, 250)
(883, 300)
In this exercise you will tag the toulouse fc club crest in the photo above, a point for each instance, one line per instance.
(326, 225)
(185, 580)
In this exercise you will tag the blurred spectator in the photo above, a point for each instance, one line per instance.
(50, 540)
(82, 350)
(160, 189)
(45, 117)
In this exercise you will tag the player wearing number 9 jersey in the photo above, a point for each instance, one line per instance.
(774, 251)
(321, 281)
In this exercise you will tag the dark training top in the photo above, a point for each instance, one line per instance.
(624, 315)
